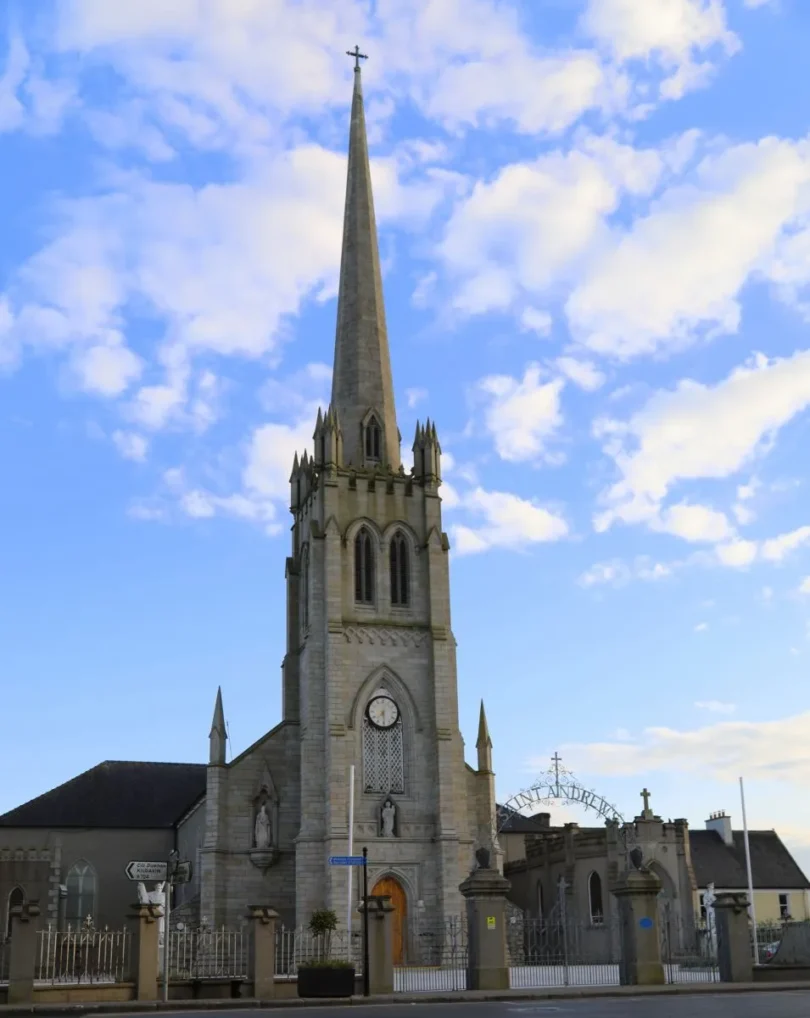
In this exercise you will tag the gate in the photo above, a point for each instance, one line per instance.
(555, 951)
(688, 949)
(434, 955)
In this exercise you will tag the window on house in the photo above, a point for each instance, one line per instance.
(784, 906)
(15, 898)
(363, 567)
(81, 894)
(595, 899)
(400, 578)
(383, 755)
(703, 911)
(373, 439)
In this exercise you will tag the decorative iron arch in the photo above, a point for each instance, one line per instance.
(556, 785)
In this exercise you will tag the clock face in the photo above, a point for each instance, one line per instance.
(383, 712)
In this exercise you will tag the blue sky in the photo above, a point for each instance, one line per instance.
(595, 226)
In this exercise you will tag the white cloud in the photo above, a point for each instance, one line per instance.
(737, 553)
(130, 445)
(532, 223)
(509, 522)
(804, 586)
(678, 272)
(107, 370)
(773, 750)
(207, 263)
(775, 549)
(582, 373)
(693, 523)
(415, 396)
(701, 627)
(698, 431)
(537, 321)
(617, 573)
(671, 30)
(522, 416)
(716, 706)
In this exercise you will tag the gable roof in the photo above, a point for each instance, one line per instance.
(116, 794)
(772, 865)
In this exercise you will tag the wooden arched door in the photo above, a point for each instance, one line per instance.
(392, 887)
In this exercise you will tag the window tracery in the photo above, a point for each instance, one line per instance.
(399, 565)
(383, 753)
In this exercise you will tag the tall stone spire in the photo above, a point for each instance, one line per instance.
(483, 743)
(218, 737)
(361, 382)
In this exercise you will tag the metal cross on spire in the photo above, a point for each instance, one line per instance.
(358, 56)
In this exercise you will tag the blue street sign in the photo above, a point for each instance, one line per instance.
(345, 860)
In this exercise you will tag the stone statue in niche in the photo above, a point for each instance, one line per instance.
(264, 849)
(388, 818)
(262, 829)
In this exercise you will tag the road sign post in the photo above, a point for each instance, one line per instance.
(144, 871)
(365, 924)
(171, 871)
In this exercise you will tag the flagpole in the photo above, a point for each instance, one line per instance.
(752, 907)
(350, 869)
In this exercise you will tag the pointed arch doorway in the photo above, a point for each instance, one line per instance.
(393, 888)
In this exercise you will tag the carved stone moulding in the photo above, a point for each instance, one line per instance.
(263, 858)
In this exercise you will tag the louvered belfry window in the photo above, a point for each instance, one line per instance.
(400, 573)
(363, 567)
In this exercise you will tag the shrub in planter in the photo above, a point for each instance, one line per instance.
(324, 976)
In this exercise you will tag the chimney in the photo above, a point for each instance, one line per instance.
(544, 820)
(721, 822)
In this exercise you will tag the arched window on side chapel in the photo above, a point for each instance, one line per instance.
(597, 909)
(16, 897)
(383, 745)
(363, 567)
(400, 571)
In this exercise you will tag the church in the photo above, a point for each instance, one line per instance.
(369, 687)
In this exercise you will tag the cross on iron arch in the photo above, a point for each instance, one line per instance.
(358, 56)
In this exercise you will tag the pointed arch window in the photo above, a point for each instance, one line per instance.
(400, 570)
(304, 588)
(363, 567)
(81, 893)
(595, 904)
(373, 440)
(15, 898)
(383, 753)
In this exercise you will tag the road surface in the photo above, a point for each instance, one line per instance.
(784, 1004)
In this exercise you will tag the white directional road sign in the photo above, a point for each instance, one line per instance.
(146, 870)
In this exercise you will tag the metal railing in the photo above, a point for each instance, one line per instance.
(557, 951)
(432, 954)
(299, 945)
(209, 954)
(688, 949)
(83, 956)
(5, 957)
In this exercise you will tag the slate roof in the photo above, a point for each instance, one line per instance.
(517, 823)
(116, 794)
(772, 865)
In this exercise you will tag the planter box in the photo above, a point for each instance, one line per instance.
(324, 981)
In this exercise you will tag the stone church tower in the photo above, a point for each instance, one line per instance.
(369, 676)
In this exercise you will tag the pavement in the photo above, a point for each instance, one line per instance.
(714, 1000)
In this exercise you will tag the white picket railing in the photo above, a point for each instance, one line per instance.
(209, 954)
(83, 956)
